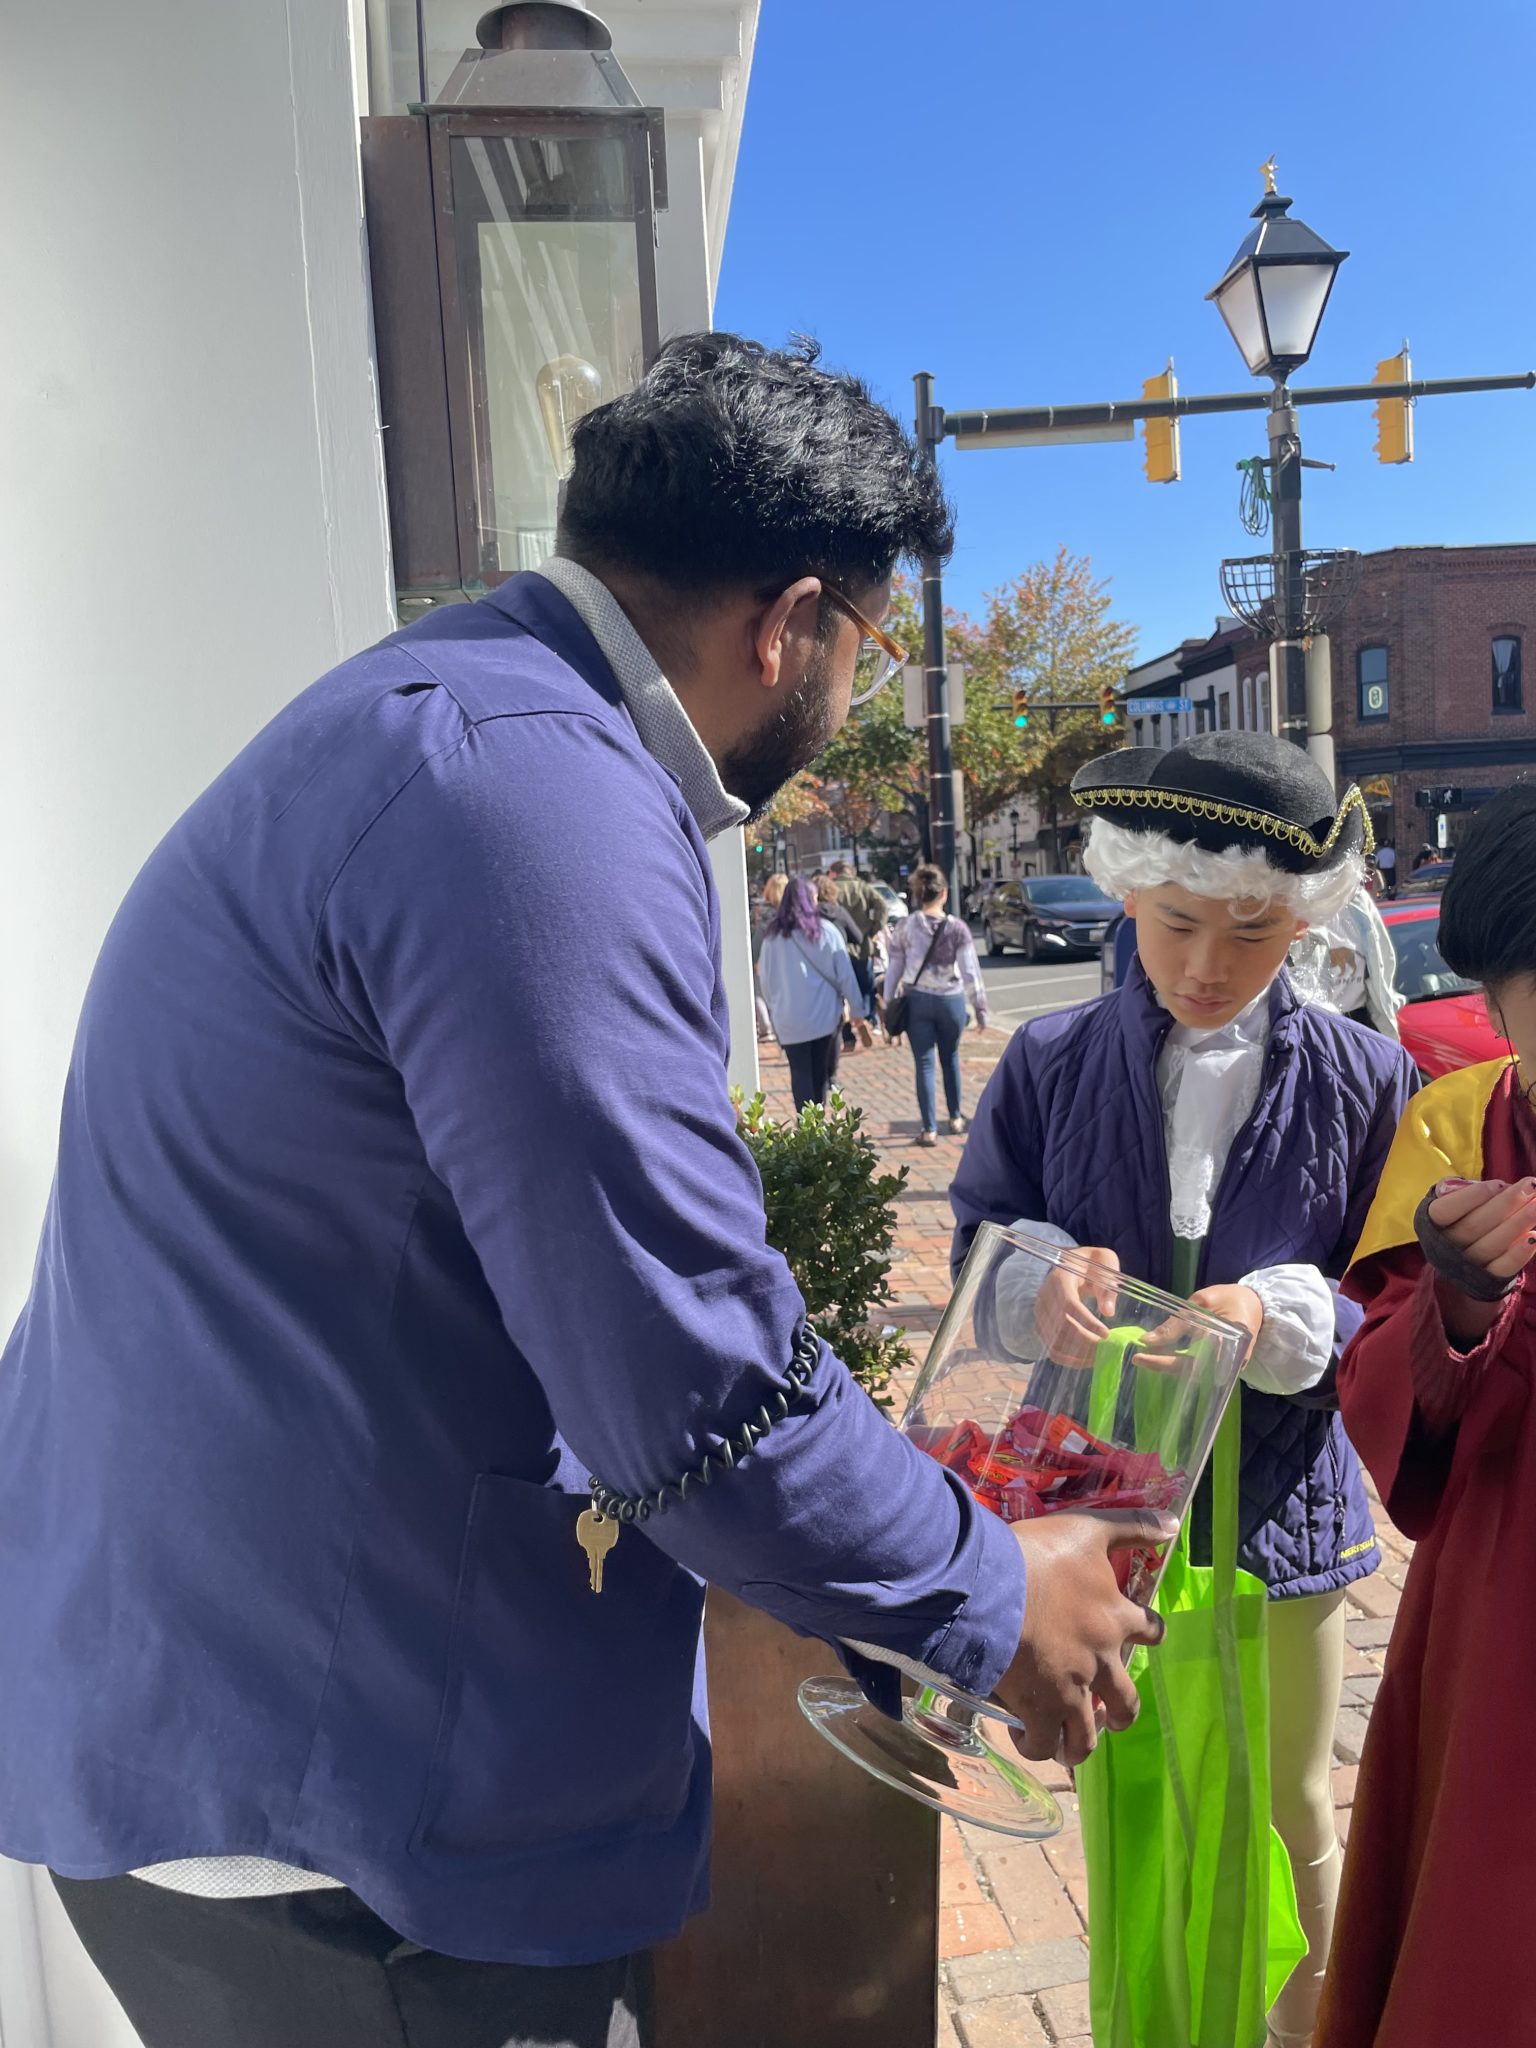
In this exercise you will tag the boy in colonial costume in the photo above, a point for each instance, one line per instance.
(1435, 1928)
(1202, 1130)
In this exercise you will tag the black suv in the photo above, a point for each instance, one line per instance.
(1047, 915)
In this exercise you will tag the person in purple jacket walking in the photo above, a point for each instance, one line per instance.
(1202, 1130)
(405, 1259)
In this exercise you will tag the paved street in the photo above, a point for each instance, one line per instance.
(1013, 1922)
(1017, 992)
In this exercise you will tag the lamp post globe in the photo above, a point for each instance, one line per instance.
(1274, 291)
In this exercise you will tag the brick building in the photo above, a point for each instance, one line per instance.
(1428, 682)
(1428, 690)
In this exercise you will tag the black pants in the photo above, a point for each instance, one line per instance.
(812, 1067)
(319, 1970)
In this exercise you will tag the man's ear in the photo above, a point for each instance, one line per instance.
(782, 620)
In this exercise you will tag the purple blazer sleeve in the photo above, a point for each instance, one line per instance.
(567, 1077)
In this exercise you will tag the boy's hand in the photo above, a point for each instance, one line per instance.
(1492, 1222)
(1073, 1302)
(1240, 1305)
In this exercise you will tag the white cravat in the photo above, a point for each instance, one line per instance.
(1209, 1083)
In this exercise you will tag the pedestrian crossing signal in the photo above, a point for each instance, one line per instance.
(1394, 416)
(1021, 708)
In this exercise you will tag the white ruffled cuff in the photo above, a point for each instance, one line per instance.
(1018, 1285)
(1295, 1345)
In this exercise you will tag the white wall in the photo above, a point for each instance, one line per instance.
(192, 522)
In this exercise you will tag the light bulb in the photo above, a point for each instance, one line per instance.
(567, 388)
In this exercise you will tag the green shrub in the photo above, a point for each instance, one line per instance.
(831, 1212)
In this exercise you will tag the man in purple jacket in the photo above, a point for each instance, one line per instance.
(390, 1209)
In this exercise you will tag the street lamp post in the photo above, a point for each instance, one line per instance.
(1272, 298)
(941, 781)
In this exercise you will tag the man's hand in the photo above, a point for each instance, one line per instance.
(1492, 1223)
(1073, 1302)
(1078, 1627)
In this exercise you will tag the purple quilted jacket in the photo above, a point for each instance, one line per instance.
(1070, 1131)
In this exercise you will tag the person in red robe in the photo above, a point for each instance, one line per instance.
(1435, 1932)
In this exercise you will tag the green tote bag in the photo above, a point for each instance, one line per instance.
(1192, 1910)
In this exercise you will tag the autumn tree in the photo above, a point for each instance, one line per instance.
(1050, 632)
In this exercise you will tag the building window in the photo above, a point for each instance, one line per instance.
(1225, 710)
(1157, 728)
(1374, 699)
(1200, 718)
(1507, 690)
(1249, 718)
(1261, 686)
(1139, 730)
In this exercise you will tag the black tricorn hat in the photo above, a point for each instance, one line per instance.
(1230, 789)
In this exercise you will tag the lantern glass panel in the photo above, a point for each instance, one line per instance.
(1237, 300)
(1294, 297)
(550, 287)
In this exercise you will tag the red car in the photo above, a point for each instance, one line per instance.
(1443, 1022)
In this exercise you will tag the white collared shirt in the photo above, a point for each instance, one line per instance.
(666, 731)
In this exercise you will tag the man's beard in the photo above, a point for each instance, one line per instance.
(757, 769)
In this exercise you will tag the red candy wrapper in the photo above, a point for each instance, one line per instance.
(1043, 1464)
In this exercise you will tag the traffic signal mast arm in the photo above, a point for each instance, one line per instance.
(1035, 418)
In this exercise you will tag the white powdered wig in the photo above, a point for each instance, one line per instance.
(1121, 862)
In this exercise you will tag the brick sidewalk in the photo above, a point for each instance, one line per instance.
(1014, 1915)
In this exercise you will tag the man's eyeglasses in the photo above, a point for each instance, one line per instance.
(879, 655)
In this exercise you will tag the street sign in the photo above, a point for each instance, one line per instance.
(1141, 707)
(914, 709)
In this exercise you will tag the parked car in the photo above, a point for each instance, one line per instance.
(1427, 880)
(897, 905)
(1048, 914)
(1443, 1021)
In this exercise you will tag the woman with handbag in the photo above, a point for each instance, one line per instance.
(806, 978)
(1203, 1130)
(931, 965)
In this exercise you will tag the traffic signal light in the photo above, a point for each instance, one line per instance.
(1162, 436)
(1108, 715)
(1021, 708)
(1394, 416)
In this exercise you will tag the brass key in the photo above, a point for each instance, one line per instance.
(597, 1534)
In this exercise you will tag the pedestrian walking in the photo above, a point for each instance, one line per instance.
(932, 964)
(1435, 1921)
(1201, 1129)
(856, 1021)
(871, 913)
(807, 978)
(396, 1195)
(1386, 867)
(762, 917)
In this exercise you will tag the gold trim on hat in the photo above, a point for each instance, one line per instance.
(1212, 811)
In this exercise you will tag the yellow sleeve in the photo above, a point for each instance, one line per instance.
(1439, 1138)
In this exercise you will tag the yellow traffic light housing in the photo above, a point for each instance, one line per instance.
(1162, 436)
(1021, 708)
(1394, 416)
(1108, 715)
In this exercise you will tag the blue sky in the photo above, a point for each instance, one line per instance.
(1031, 201)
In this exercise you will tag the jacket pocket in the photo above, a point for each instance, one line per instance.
(565, 1713)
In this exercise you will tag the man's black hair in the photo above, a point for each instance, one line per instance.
(732, 465)
(1488, 912)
